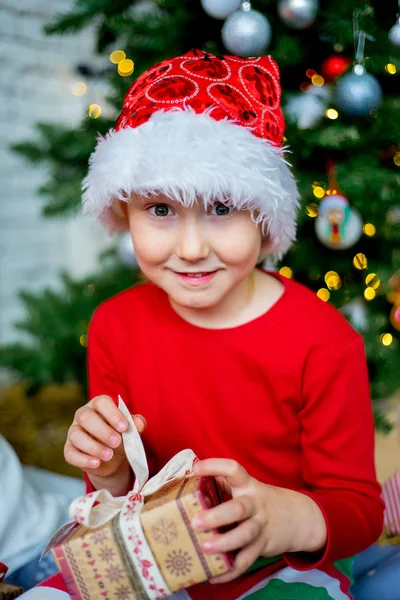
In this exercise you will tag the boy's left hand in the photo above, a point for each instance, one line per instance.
(270, 520)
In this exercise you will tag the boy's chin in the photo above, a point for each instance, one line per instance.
(194, 300)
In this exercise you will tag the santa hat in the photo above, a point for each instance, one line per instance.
(199, 126)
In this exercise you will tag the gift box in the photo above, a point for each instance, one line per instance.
(391, 523)
(8, 592)
(142, 545)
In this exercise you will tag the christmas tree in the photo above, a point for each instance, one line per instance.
(338, 62)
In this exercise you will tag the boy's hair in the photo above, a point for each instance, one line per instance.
(199, 126)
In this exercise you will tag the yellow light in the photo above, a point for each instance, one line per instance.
(117, 56)
(323, 294)
(312, 209)
(318, 191)
(331, 113)
(126, 67)
(333, 281)
(396, 159)
(369, 229)
(386, 339)
(372, 280)
(79, 88)
(83, 340)
(369, 293)
(360, 261)
(390, 68)
(286, 272)
(284, 139)
(94, 111)
(317, 80)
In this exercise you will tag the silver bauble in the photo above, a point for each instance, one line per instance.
(220, 9)
(298, 14)
(394, 34)
(125, 250)
(246, 33)
(357, 95)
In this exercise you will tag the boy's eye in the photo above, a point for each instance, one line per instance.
(160, 210)
(220, 209)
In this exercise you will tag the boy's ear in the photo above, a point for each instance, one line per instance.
(124, 208)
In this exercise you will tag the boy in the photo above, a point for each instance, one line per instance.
(267, 384)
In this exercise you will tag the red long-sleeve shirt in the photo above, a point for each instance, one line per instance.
(286, 395)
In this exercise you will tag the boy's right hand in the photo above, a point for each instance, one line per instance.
(94, 441)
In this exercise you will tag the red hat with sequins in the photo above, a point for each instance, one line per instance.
(199, 126)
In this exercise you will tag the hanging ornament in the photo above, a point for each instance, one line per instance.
(307, 108)
(358, 92)
(338, 226)
(394, 296)
(125, 250)
(298, 14)
(220, 9)
(333, 66)
(394, 33)
(246, 32)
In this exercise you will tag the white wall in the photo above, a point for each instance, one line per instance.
(36, 76)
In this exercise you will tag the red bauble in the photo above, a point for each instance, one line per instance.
(334, 66)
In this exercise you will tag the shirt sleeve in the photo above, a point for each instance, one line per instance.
(337, 436)
(103, 370)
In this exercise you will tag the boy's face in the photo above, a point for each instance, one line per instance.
(198, 256)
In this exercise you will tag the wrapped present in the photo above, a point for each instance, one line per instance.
(7, 592)
(391, 524)
(140, 546)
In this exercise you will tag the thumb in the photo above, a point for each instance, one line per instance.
(140, 422)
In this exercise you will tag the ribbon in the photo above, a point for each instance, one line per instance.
(83, 511)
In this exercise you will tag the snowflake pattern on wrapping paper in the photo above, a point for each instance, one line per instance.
(165, 531)
(107, 554)
(114, 573)
(245, 90)
(122, 593)
(179, 563)
(99, 536)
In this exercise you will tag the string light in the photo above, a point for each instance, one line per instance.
(310, 73)
(323, 294)
(312, 210)
(372, 280)
(369, 293)
(117, 56)
(318, 191)
(79, 88)
(360, 261)
(396, 159)
(83, 340)
(369, 229)
(126, 67)
(286, 272)
(386, 339)
(391, 69)
(317, 80)
(94, 111)
(333, 281)
(331, 113)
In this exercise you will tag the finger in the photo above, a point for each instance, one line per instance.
(237, 509)
(241, 536)
(242, 562)
(234, 473)
(93, 424)
(110, 412)
(140, 422)
(79, 459)
(82, 441)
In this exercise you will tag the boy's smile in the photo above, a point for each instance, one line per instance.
(202, 257)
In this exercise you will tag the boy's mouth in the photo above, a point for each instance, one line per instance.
(196, 277)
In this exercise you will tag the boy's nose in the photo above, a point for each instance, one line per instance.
(192, 244)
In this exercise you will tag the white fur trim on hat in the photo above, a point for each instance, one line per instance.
(185, 156)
